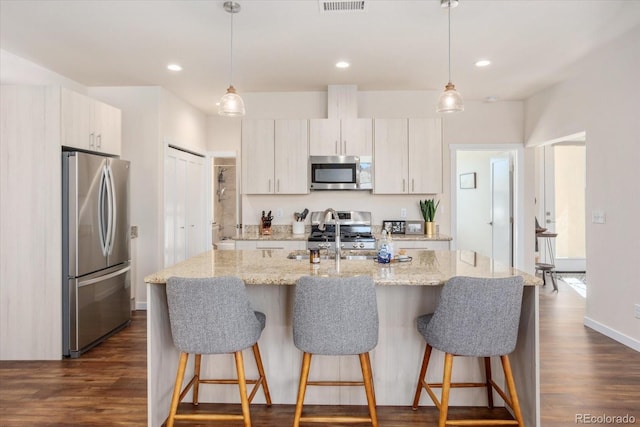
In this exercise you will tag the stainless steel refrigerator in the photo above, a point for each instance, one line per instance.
(96, 257)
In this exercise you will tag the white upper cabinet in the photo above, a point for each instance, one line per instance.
(391, 156)
(275, 157)
(340, 137)
(291, 157)
(89, 124)
(425, 156)
(258, 153)
(408, 156)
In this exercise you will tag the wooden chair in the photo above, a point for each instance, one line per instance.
(479, 318)
(336, 316)
(214, 316)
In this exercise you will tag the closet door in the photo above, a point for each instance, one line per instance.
(184, 206)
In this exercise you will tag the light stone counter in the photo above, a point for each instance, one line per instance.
(272, 267)
(404, 291)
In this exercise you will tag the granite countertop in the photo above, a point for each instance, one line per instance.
(283, 232)
(272, 267)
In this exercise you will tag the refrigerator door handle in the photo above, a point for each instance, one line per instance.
(101, 220)
(111, 230)
(103, 278)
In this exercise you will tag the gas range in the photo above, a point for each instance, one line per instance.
(355, 232)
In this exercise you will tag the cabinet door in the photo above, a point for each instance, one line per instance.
(107, 125)
(425, 156)
(390, 156)
(195, 208)
(291, 161)
(324, 137)
(258, 157)
(357, 137)
(76, 120)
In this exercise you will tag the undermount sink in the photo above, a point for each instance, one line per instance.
(354, 255)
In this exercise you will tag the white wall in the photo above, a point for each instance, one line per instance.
(17, 70)
(473, 206)
(600, 97)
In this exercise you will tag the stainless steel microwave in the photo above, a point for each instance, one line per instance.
(340, 173)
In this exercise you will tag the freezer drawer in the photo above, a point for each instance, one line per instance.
(99, 305)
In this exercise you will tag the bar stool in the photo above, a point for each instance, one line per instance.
(547, 268)
(213, 316)
(475, 317)
(335, 316)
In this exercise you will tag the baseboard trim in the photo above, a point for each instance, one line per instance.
(141, 306)
(612, 333)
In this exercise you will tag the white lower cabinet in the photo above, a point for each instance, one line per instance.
(432, 245)
(184, 233)
(290, 245)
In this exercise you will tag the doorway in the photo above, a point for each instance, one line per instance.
(563, 210)
(224, 196)
(484, 210)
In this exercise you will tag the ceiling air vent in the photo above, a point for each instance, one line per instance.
(327, 6)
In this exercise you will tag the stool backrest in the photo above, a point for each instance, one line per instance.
(335, 315)
(211, 315)
(477, 316)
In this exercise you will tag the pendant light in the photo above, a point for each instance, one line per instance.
(450, 100)
(231, 104)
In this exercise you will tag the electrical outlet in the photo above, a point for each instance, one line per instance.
(403, 212)
(134, 232)
(279, 213)
(638, 311)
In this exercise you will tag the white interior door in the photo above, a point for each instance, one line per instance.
(564, 205)
(501, 211)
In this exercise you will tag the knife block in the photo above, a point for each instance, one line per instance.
(265, 227)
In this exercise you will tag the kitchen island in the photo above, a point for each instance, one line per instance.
(404, 290)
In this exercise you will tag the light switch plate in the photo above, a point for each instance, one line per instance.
(403, 212)
(134, 231)
(598, 217)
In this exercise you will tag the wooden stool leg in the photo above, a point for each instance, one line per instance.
(487, 377)
(423, 372)
(446, 388)
(304, 377)
(263, 377)
(511, 385)
(242, 385)
(365, 366)
(196, 376)
(177, 388)
(373, 388)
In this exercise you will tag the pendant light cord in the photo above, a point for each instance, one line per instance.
(449, 13)
(231, 53)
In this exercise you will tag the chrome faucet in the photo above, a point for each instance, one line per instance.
(322, 226)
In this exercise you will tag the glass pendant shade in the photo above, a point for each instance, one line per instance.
(450, 100)
(231, 104)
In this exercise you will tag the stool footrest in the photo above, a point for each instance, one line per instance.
(336, 383)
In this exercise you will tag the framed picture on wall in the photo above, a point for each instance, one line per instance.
(468, 180)
(414, 227)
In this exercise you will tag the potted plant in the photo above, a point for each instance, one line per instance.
(428, 208)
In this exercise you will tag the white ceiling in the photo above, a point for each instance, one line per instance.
(288, 45)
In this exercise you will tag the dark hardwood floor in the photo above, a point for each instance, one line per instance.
(582, 372)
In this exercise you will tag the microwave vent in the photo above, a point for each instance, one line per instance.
(327, 6)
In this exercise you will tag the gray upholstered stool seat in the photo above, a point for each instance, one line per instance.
(213, 316)
(475, 317)
(336, 316)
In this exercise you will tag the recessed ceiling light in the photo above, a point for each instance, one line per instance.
(174, 67)
(491, 99)
(483, 63)
(342, 64)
